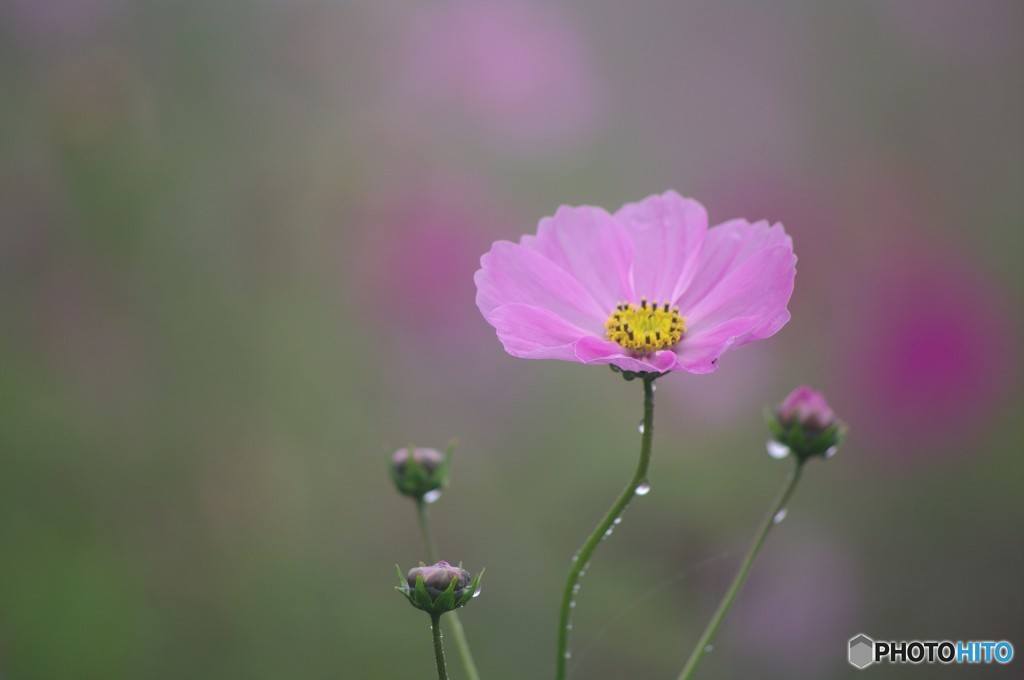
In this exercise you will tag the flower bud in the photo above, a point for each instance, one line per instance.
(438, 588)
(420, 473)
(805, 425)
(437, 578)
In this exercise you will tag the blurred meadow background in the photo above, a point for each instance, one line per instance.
(237, 243)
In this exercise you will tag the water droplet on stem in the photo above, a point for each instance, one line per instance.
(643, 489)
(431, 496)
(779, 516)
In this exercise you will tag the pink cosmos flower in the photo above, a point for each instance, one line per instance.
(648, 289)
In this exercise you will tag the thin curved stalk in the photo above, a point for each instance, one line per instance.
(582, 557)
(723, 608)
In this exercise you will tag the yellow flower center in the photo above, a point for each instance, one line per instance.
(646, 328)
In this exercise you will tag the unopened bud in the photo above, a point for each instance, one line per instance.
(437, 578)
(420, 473)
(804, 424)
(438, 588)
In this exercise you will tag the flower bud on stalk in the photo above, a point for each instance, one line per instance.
(805, 425)
(420, 473)
(438, 588)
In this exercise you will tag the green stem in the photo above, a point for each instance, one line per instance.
(741, 576)
(454, 624)
(582, 557)
(462, 645)
(435, 628)
(428, 540)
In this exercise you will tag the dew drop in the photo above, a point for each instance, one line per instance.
(576, 589)
(640, 427)
(568, 654)
(779, 516)
(777, 450)
(617, 521)
(568, 626)
(709, 648)
(572, 604)
(831, 451)
(431, 496)
(643, 489)
(478, 591)
(654, 388)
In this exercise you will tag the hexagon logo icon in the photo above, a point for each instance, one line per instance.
(862, 651)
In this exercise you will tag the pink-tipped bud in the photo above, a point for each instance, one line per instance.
(419, 472)
(430, 459)
(808, 408)
(805, 425)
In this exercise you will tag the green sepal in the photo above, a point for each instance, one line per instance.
(471, 591)
(633, 375)
(403, 585)
(446, 600)
(804, 443)
(422, 597)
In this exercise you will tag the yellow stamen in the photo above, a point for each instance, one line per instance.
(645, 328)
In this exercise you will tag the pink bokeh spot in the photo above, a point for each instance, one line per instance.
(517, 73)
(51, 24)
(550, 295)
(932, 354)
(420, 243)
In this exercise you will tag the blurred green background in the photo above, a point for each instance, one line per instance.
(236, 252)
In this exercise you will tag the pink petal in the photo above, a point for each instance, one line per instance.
(699, 353)
(592, 350)
(667, 233)
(759, 288)
(534, 333)
(510, 274)
(725, 247)
(748, 272)
(590, 245)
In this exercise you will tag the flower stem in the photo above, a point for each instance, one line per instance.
(454, 624)
(428, 539)
(435, 628)
(741, 576)
(582, 557)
